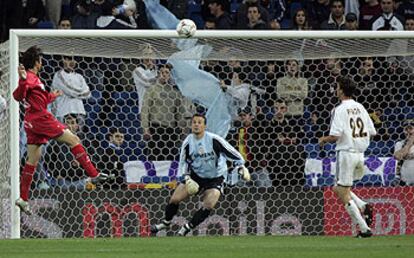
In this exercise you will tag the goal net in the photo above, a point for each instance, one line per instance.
(281, 90)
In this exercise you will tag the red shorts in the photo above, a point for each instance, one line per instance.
(41, 129)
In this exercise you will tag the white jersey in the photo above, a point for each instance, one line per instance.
(407, 167)
(75, 90)
(352, 124)
(143, 79)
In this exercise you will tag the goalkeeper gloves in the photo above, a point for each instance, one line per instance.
(191, 186)
(244, 172)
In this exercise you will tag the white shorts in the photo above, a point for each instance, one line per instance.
(349, 167)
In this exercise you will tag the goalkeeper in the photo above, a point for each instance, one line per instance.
(203, 162)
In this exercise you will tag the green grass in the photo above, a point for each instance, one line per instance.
(226, 247)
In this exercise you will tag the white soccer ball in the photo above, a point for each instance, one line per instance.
(186, 28)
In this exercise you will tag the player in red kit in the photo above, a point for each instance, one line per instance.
(40, 125)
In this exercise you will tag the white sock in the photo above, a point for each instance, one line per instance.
(356, 216)
(360, 203)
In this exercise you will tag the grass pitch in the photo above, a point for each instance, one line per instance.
(226, 247)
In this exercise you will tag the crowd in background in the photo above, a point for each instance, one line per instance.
(129, 109)
(211, 14)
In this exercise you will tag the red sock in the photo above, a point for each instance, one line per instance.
(83, 158)
(26, 180)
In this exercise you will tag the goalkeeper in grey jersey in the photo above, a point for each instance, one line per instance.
(203, 163)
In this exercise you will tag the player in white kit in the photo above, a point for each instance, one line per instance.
(351, 129)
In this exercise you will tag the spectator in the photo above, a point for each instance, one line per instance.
(275, 8)
(336, 20)
(368, 81)
(33, 13)
(210, 24)
(176, 7)
(351, 22)
(293, 89)
(323, 98)
(164, 116)
(141, 15)
(318, 11)
(54, 8)
(108, 20)
(110, 159)
(407, 62)
(249, 139)
(404, 153)
(223, 18)
(300, 20)
(368, 11)
(288, 156)
(86, 14)
(409, 23)
(387, 20)
(315, 128)
(406, 8)
(145, 76)
(252, 143)
(64, 24)
(254, 19)
(10, 17)
(75, 90)
(61, 163)
(241, 19)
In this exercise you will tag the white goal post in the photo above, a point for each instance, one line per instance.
(250, 45)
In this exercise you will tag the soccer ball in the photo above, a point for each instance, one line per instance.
(186, 28)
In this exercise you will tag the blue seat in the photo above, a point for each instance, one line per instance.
(135, 110)
(370, 180)
(112, 116)
(294, 7)
(92, 115)
(116, 95)
(89, 122)
(326, 180)
(121, 116)
(120, 102)
(193, 7)
(132, 144)
(130, 102)
(133, 95)
(45, 25)
(136, 124)
(131, 117)
(286, 23)
(128, 151)
(126, 109)
(151, 179)
(104, 130)
(93, 129)
(312, 150)
(137, 152)
(126, 124)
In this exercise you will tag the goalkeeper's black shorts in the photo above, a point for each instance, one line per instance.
(208, 183)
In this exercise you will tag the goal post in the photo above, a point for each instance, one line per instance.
(125, 50)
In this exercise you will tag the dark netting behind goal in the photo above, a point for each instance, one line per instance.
(289, 91)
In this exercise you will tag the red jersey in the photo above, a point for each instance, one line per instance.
(34, 95)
